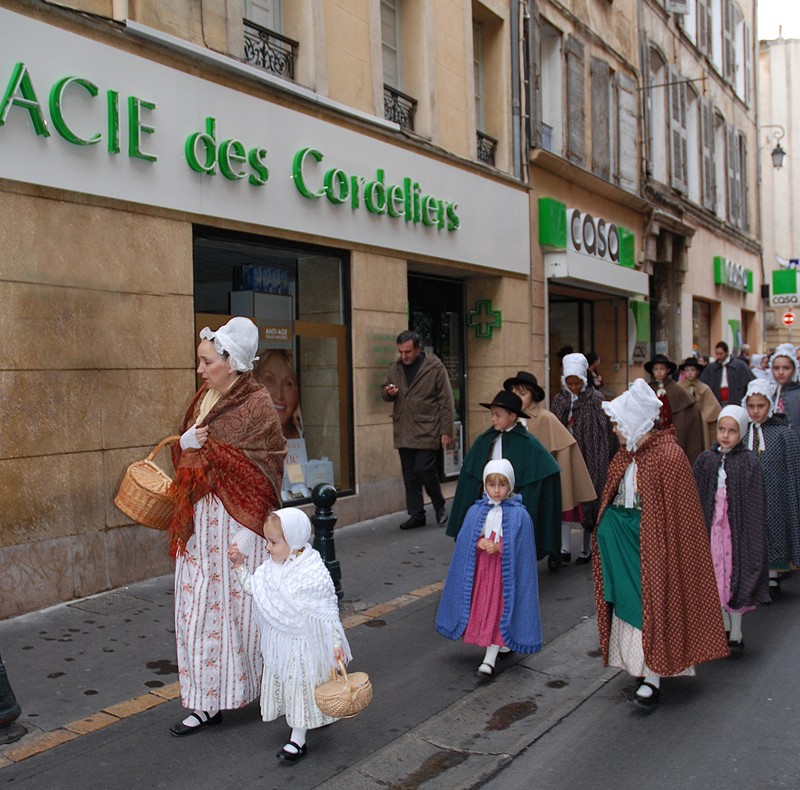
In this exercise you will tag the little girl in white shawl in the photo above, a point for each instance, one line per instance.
(302, 636)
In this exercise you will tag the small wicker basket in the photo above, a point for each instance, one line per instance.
(142, 495)
(344, 696)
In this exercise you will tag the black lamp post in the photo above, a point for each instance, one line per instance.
(323, 496)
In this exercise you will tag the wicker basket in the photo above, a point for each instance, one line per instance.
(142, 495)
(344, 696)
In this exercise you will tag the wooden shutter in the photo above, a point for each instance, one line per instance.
(748, 64)
(601, 102)
(628, 151)
(728, 48)
(702, 22)
(708, 165)
(534, 50)
(678, 143)
(731, 156)
(575, 100)
(741, 175)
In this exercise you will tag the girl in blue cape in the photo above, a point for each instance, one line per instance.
(491, 595)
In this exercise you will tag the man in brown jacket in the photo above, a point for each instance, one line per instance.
(418, 386)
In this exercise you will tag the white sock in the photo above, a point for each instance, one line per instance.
(773, 577)
(736, 627)
(298, 736)
(191, 721)
(643, 691)
(726, 620)
(566, 530)
(491, 655)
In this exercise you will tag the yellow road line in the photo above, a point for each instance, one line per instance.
(42, 742)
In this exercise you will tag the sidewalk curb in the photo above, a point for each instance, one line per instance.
(472, 740)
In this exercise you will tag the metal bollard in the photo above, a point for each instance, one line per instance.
(9, 710)
(323, 496)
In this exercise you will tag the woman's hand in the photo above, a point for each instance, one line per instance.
(194, 438)
(236, 557)
(338, 653)
(201, 434)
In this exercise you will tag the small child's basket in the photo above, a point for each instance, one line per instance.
(344, 696)
(142, 494)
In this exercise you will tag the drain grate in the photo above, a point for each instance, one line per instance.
(112, 603)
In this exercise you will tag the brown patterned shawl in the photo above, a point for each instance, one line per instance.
(241, 463)
(681, 614)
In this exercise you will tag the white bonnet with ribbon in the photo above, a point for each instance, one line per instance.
(634, 412)
(790, 352)
(239, 339)
(575, 365)
(499, 467)
(737, 413)
(296, 526)
(762, 387)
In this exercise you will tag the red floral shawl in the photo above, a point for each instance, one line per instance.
(681, 615)
(241, 463)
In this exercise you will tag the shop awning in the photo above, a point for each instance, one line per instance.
(586, 271)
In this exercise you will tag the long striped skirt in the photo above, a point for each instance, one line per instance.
(219, 656)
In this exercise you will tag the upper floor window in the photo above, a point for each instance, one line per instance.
(264, 46)
(657, 104)
(551, 88)
(477, 70)
(266, 13)
(391, 43)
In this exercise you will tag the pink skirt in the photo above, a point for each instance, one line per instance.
(722, 550)
(486, 607)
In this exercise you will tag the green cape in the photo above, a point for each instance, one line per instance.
(538, 481)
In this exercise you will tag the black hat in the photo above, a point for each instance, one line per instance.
(525, 379)
(690, 362)
(508, 401)
(664, 360)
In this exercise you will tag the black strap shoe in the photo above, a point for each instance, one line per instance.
(292, 757)
(203, 720)
(413, 522)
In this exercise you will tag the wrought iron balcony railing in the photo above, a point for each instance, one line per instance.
(398, 107)
(486, 148)
(268, 50)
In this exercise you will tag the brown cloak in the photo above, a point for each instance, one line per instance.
(685, 417)
(709, 408)
(576, 484)
(241, 462)
(681, 614)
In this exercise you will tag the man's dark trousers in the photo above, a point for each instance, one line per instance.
(420, 468)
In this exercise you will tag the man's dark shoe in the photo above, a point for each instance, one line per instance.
(441, 515)
(413, 521)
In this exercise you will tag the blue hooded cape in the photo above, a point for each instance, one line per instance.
(520, 624)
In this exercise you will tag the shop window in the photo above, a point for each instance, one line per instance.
(297, 298)
(701, 326)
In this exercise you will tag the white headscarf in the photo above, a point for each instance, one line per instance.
(739, 414)
(295, 525)
(766, 389)
(494, 518)
(790, 352)
(575, 365)
(634, 412)
(239, 339)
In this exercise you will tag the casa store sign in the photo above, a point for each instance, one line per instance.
(592, 235)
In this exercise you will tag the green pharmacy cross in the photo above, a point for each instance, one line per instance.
(483, 319)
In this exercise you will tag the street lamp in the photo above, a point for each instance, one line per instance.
(778, 154)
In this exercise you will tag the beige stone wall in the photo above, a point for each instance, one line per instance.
(94, 370)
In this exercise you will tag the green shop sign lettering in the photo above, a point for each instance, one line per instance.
(397, 201)
(207, 156)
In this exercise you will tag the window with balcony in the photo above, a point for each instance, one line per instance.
(397, 106)
(264, 44)
(551, 88)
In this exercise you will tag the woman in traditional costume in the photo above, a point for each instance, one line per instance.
(229, 466)
(576, 483)
(579, 408)
(658, 610)
(731, 487)
(302, 637)
(491, 594)
(537, 474)
(776, 445)
(783, 365)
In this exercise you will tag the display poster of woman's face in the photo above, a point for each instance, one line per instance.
(275, 370)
